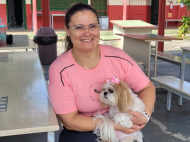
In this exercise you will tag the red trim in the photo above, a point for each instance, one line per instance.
(161, 23)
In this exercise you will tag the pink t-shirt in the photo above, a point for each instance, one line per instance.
(71, 87)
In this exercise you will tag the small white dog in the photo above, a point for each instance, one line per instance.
(120, 98)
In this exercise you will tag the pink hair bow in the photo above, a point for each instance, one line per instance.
(112, 80)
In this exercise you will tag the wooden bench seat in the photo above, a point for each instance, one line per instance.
(173, 85)
(171, 20)
(169, 58)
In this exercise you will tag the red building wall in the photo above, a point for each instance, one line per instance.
(3, 13)
(138, 13)
(29, 16)
(115, 12)
(177, 13)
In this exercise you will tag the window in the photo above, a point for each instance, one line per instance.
(56, 5)
(100, 6)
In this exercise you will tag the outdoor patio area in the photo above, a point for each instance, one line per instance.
(164, 126)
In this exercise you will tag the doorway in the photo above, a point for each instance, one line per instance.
(16, 12)
(154, 12)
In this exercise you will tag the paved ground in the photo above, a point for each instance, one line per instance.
(164, 126)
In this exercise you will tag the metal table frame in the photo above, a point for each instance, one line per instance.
(134, 42)
(185, 50)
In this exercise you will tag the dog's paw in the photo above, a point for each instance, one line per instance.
(123, 120)
(138, 140)
(127, 124)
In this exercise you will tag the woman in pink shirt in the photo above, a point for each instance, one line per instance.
(75, 77)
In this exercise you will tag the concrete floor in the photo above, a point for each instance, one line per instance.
(164, 126)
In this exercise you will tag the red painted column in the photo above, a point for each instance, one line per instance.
(124, 9)
(45, 13)
(148, 18)
(34, 17)
(161, 22)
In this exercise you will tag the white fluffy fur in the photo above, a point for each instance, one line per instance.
(120, 99)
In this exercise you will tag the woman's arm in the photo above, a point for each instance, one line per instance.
(77, 122)
(148, 96)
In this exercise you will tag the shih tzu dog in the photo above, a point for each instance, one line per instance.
(120, 99)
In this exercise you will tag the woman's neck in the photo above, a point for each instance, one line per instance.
(87, 60)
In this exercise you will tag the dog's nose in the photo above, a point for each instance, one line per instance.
(105, 94)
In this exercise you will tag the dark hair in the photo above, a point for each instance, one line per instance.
(71, 11)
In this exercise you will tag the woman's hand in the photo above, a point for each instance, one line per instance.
(138, 118)
(133, 129)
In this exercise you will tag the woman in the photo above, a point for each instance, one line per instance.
(75, 78)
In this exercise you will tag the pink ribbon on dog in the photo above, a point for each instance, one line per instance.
(113, 80)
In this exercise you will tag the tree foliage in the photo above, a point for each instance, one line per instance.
(185, 23)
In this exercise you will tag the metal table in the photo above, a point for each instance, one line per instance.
(131, 27)
(20, 42)
(25, 106)
(138, 46)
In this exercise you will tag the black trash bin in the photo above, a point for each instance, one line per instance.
(46, 39)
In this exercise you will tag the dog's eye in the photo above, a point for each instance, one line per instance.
(110, 90)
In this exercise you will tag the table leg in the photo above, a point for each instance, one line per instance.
(169, 98)
(32, 22)
(51, 137)
(52, 22)
(34, 49)
(155, 59)
(149, 54)
(180, 99)
(183, 64)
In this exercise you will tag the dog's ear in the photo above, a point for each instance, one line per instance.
(124, 98)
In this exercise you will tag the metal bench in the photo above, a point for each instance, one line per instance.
(171, 20)
(173, 59)
(140, 64)
(173, 85)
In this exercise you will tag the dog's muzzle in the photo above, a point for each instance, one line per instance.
(106, 95)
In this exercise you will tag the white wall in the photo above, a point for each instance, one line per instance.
(174, 2)
(2, 1)
(115, 2)
(28, 1)
(131, 2)
(138, 2)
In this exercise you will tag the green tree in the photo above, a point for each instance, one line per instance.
(185, 23)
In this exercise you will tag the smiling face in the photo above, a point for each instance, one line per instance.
(87, 40)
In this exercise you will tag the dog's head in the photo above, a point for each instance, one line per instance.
(115, 92)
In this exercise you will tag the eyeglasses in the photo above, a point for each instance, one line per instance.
(80, 29)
